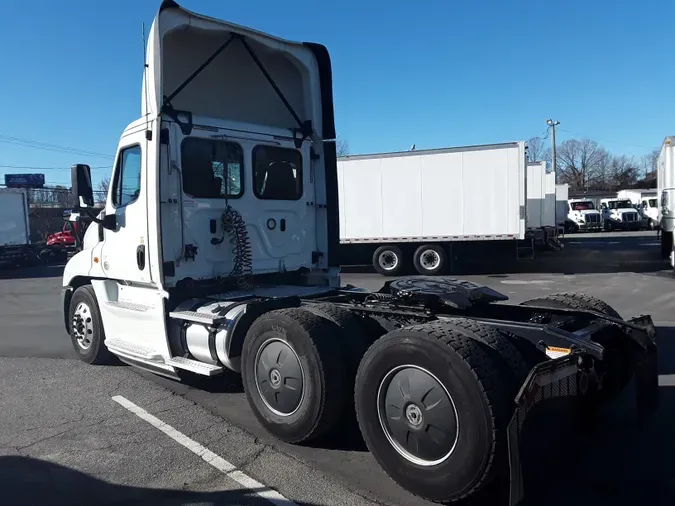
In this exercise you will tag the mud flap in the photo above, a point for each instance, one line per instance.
(548, 380)
(562, 377)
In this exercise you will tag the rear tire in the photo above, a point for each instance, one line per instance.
(429, 259)
(568, 300)
(388, 260)
(293, 374)
(617, 351)
(402, 379)
(86, 328)
(356, 336)
(501, 347)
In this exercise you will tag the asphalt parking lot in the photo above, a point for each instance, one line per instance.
(69, 435)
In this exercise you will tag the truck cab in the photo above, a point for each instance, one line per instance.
(583, 215)
(619, 214)
(649, 211)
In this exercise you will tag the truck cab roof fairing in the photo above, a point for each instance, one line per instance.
(233, 86)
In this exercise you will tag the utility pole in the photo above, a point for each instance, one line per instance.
(553, 124)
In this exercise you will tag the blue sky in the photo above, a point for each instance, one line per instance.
(439, 73)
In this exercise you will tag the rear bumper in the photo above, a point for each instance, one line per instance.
(568, 377)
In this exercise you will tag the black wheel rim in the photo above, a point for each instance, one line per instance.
(417, 415)
(279, 377)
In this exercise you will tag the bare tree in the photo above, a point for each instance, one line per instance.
(104, 184)
(342, 147)
(580, 163)
(649, 163)
(624, 171)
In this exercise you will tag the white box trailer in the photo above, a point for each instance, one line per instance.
(541, 205)
(14, 227)
(665, 182)
(416, 204)
(15, 245)
(561, 204)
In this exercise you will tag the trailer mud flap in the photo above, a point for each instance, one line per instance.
(548, 380)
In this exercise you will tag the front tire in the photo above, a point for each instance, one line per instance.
(86, 328)
(293, 374)
(432, 410)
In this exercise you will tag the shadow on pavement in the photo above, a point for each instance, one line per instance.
(41, 271)
(665, 339)
(26, 480)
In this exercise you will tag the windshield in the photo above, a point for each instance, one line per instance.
(620, 204)
(582, 206)
(652, 203)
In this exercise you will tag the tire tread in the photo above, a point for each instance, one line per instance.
(488, 379)
(322, 335)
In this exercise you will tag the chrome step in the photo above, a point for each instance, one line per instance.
(125, 348)
(194, 316)
(194, 366)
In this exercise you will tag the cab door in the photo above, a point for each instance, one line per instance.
(124, 251)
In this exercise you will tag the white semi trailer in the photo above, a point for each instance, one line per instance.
(427, 208)
(541, 205)
(665, 181)
(216, 251)
(16, 248)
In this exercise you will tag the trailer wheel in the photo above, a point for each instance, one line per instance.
(429, 259)
(388, 260)
(86, 328)
(293, 374)
(433, 412)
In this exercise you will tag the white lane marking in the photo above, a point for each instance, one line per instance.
(667, 380)
(207, 455)
(526, 281)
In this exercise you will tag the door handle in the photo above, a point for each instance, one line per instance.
(140, 257)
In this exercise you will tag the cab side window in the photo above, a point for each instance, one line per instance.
(127, 184)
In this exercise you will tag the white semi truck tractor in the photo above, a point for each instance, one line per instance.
(217, 251)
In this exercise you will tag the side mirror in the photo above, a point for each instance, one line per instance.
(81, 187)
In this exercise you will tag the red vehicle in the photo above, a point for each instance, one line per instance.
(68, 236)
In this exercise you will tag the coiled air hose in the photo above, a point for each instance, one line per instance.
(242, 257)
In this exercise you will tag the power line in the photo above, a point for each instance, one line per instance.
(610, 141)
(28, 143)
(25, 167)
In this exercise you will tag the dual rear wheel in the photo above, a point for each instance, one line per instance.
(432, 401)
(427, 259)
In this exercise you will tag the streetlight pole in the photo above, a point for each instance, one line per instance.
(553, 124)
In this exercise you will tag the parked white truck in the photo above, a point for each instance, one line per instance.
(427, 208)
(665, 181)
(216, 251)
(618, 213)
(583, 216)
(646, 203)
